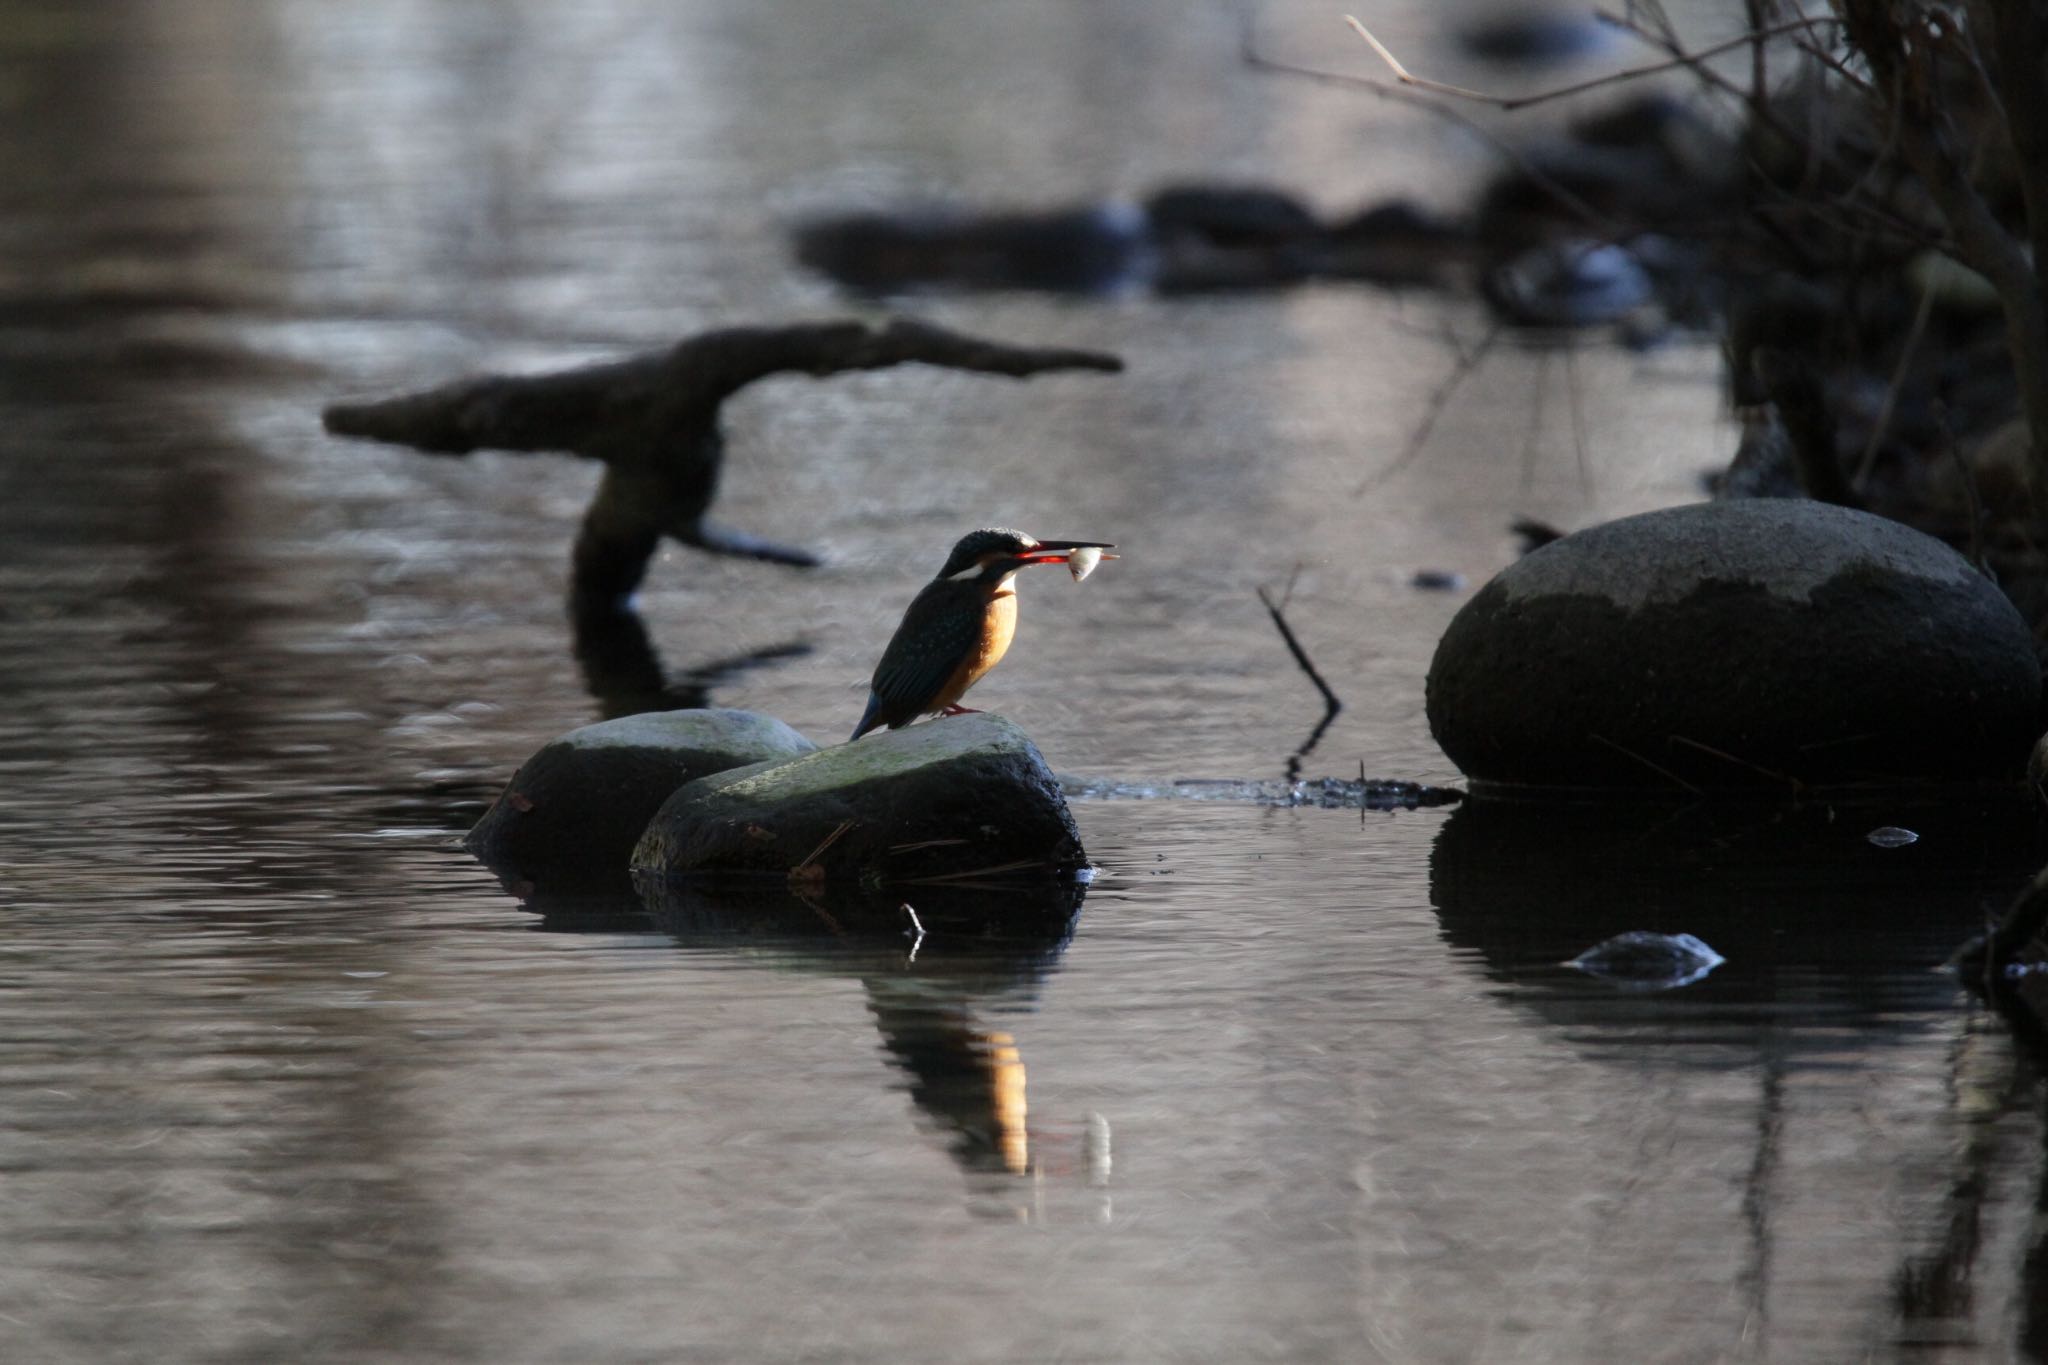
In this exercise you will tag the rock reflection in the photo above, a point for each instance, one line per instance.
(1832, 949)
(1774, 888)
(930, 973)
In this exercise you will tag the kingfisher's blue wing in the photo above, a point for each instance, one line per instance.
(938, 634)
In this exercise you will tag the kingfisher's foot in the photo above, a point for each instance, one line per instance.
(960, 711)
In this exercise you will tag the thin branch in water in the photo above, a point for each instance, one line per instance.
(808, 870)
(1331, 702)
(1434, 409)
(1315, 737)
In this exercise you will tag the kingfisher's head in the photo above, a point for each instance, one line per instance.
(993, 553)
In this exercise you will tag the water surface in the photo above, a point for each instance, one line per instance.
(288, 1077)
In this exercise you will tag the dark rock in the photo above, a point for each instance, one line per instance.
(961, 797)
(1229, 215)
(1393, 243)
(1530, 37)
(1087, 249)
(1763, 645)
(573, 811)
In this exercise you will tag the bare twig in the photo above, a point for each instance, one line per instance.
(1509, 103)
(1651, 764)
(993, 870)
(925, 843)
(1890, 404)
(808, 870)
(1572, 203)
(1726, 757)
(1907, 70)
(1330, 700)
(1432, 410)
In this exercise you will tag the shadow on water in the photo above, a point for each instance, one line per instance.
(930, 973)
(623, 671)
(1831, 943)
(1786, 893)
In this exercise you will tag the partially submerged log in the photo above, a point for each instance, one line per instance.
(959, 799)
(652, 420)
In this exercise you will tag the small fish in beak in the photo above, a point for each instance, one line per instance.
(1082, 562)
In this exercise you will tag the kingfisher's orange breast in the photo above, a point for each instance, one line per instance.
(998, 625)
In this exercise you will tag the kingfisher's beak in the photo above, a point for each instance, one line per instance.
(1049, 551)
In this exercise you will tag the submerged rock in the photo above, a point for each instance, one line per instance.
(1766, 645)
(573, 811)
(959, 798)
(1645, 961)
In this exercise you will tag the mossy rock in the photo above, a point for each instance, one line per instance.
(572, 813)
(961, 797)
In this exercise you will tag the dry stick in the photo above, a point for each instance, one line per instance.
(1651, 764)
(1725, 757)
(1874, 213)
(1433, 410)
(1511, 103)
(1331, 705)
(1757, 12)
(802, 869)
(1693, 62)
(1593, 218)
(992, 870)
(1330, 702)
(1891, 392)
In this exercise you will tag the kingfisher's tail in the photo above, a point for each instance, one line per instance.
(869, 718)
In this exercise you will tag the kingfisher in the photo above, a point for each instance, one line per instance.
(959, 625)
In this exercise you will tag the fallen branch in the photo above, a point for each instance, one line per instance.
(1330, 700)
(652, 420)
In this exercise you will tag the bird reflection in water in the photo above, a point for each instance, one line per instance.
(928, 975)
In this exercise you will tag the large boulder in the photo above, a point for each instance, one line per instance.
(1765, 645)
(965, 796)
(572, 813)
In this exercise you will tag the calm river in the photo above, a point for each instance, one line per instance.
(284, 1075)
